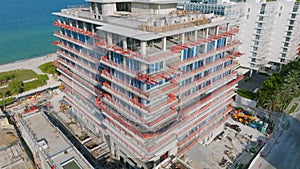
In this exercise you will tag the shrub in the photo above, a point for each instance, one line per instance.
(42, 78)
(247, 94)
(246, 79)
(48, 68)
(7, 101)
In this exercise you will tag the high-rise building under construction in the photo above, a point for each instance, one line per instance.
(147, 78)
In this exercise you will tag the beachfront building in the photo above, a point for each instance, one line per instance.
(268, 30)
(147, 78)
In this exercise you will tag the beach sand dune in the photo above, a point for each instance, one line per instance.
(32, 64)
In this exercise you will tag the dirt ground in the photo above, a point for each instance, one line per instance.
(7, 138)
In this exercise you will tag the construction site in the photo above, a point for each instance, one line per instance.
(12, 152)
(148, 80)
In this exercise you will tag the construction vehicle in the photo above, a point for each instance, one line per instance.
(245, 119)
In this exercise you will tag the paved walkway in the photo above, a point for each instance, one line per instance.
(295, 100)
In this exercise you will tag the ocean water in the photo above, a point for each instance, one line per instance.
(26, 27)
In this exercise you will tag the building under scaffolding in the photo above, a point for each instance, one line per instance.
(150, 80)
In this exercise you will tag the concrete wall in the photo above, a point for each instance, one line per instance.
(109, 9)
(152, 8)
(247, 102)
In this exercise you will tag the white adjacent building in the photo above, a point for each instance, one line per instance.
(269, 31)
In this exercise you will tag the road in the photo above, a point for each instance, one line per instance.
(285, 153)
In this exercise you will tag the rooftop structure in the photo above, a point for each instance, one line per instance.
(50, 148)
(147, 78)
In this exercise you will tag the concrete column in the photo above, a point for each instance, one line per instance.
(125, 43)
(164, 44)
(206, 32)
(96, 8)
(91, 9)
(217, 29)
(182, 38)
(143, 70)
(109, 38)
(227, 27)
(84, 26)
(143, 48)
(196, 35)
(216, 42)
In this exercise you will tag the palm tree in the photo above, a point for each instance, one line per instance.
(273, 104)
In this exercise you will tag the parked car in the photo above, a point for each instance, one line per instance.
(235, 127)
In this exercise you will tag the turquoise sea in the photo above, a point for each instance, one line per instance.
(26, 27)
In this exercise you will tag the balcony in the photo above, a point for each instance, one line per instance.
(179, 64)
(80, 54)
(78, 62)
(205, 67)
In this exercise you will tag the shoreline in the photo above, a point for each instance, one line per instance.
(32, 63)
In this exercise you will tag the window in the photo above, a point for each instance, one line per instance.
(253, 60)
(248, 10)
(254, 54)
(256, 43)
(283, 55)
(289, 33)
(258, 31)
(293, 16)
(286, 44)
(295, 8)
(257, 37)
(259, 25)
(292, 22)
(287, 39)
(290, 28)
(284, 50)
(262, 9)
(261, 18)
(255, 48)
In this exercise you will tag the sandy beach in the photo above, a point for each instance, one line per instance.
(32, 64)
